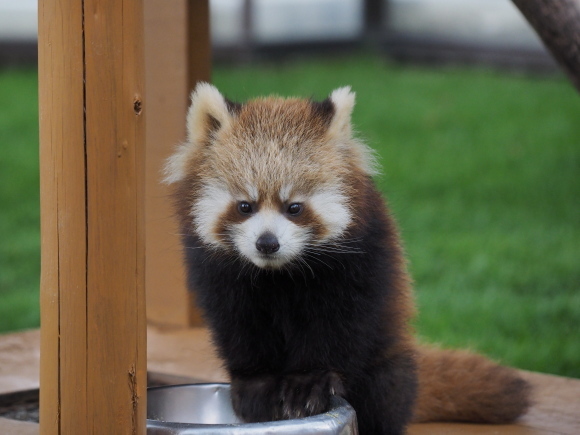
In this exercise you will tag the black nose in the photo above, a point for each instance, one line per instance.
(267, 243)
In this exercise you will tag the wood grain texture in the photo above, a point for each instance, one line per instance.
(93, 344)
(63, 224)
(166, 84)
(189, 353)
(198, 43)
(116, 351)
(177, 56)
(199, 69)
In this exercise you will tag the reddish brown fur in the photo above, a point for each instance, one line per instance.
(291, 157)
(453, 385)
(402, 309)
(457, 385)
(242, 147)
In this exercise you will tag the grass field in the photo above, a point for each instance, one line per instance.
(481, 169)
(19, 200)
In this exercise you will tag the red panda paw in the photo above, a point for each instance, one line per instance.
(296, 395)
(306, 394)
(256, 398)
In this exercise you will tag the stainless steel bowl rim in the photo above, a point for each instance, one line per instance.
(340, 414)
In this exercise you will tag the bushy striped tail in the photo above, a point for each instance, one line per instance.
(461, 386)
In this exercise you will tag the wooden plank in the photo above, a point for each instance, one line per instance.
(199, 69)
(166, 84)
(93, 341)
(189, 353)
(19, 361)
(177, 56)
(116, 327)
(13, 427)
(198, 43)
(63, 286)
(556, 400)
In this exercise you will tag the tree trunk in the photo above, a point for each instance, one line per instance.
(557, 22)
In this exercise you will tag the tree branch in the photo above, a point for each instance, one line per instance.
(557, 22)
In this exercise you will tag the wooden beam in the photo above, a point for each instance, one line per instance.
(198, 43)
(199, 69)
(177, 57)
(166, 84)
(62, 201)
(93, 334)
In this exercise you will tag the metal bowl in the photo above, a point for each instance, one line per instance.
(206, 409)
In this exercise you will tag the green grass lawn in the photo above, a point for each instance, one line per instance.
(19, 200)
(481, 170)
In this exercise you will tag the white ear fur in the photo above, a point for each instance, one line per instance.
(206, 102)
(343, 101)
(340, 128)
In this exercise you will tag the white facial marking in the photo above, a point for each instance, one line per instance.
(331, 206)
(291, 238)
(285, 192)
(252, 193)
(213, 201)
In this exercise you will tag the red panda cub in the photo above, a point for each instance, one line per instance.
(299, 271)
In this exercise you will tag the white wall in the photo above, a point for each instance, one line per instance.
(483, 21)
(496, 22)
(18, 20)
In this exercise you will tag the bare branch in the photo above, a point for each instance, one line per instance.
(557, 22)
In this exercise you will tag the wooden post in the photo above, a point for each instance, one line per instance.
(199, 69)
(93, 330)
(177, 57)
(198, 43)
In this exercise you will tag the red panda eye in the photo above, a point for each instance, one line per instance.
(244, 207)
(295, 209)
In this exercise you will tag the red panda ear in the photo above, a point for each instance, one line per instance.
(208, 113)
(343, 101)
(340, 132)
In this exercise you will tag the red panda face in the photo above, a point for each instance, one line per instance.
(269, 230)
(271, 180)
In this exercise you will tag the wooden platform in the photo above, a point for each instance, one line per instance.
(188, 353)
